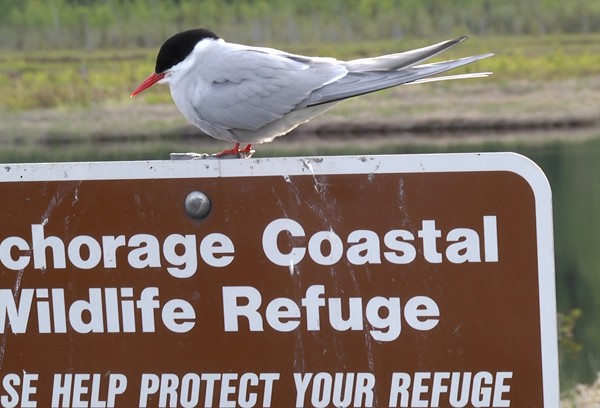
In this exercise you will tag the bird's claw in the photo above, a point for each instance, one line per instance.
(244, 153)
(234, 153)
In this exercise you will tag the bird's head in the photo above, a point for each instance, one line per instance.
(172, 54)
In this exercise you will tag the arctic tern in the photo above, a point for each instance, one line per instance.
(248, 95)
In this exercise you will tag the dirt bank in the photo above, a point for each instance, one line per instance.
(460, 110)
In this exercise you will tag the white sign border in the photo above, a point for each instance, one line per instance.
(372, 164)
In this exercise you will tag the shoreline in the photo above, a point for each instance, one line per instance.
(458, 112)
(320, 132)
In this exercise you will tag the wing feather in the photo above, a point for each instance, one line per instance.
(254, 87)
(394, 62)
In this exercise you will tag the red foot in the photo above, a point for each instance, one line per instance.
(235, 150)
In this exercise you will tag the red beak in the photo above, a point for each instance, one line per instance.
(148, 82)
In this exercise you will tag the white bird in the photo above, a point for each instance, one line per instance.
(250, 95)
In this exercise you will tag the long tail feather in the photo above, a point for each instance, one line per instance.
(451, 77)
(360, 83)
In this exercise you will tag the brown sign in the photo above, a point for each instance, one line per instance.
(378, 281)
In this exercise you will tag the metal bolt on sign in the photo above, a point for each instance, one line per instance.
(197, 204)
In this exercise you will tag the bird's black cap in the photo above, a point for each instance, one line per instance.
(179, 46)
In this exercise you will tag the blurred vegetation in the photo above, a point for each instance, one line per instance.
(92, 24)
(80, 53)
(71, 78)
(566, 331)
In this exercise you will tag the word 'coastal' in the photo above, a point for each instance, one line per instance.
(182, 253)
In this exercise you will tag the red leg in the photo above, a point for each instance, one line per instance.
(247, 149)
(235, 150)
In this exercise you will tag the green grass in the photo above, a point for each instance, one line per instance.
(71, 105)
(69, 78)
(50, 79)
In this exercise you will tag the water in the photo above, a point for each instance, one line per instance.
(573, 169)
(572, 166)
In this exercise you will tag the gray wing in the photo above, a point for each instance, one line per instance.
(363, 82)
(394, 62)
(252, 87)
